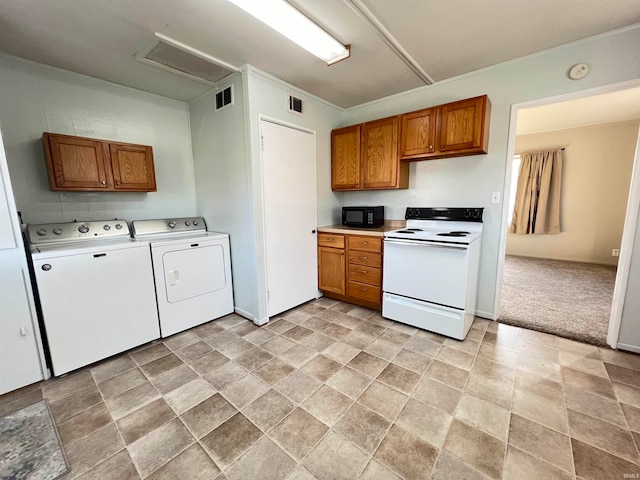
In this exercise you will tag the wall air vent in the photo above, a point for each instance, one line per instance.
(297, 105)
(184, 60)
(224, 97)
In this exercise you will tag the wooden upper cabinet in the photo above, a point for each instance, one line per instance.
(418, 132)
(345, 158)
(88, 165)
(132, 167)
(380, 153)
(450, 130)
(75, 163)
(463, 127)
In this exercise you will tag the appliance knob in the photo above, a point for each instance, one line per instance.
(476, 213)
(118, 226)
(107, 227)
(57, 231)
(46, 267)
(195, 222)
(416, 213)
(187, 223)
(83, 229)
(42, 232)
(467, 213)
(172, 224)
(409, 212)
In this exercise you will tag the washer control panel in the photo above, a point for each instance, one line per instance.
(47, 233)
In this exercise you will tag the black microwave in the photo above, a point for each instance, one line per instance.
(363, 217)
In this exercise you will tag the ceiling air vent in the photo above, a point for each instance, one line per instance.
(297, 105)
(184, 60)
(224, 97)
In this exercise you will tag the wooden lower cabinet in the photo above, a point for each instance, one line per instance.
(350, 268)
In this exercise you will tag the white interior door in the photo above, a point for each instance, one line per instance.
(289, 194)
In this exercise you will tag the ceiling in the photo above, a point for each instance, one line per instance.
(440, 39)
(607, 108)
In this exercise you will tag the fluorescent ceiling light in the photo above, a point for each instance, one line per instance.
(288, 21)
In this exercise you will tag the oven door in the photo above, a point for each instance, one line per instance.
(434, 272)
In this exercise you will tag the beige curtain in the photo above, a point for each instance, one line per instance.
(537, 208)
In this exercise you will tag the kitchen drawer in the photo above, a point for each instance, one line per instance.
(330, 240)
(366, 259)
(369, 275)
(365, 292)
(365, 244)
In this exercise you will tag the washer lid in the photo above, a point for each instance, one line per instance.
(79, 248)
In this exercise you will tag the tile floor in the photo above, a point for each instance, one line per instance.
(332, 391)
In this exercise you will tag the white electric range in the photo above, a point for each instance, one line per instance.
(430, 273)
(95, 285)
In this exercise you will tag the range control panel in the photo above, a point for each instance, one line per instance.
(46, 233)
(450, 214)
(168, 225)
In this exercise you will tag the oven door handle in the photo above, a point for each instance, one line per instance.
(427, 244)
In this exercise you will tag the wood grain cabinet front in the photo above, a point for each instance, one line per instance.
(345, 158)
(350, 268)
(87, 165)
(451, 130)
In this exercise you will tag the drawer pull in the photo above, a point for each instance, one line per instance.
(364, 258)
(363, 289)
(365, 243)
(363, 272)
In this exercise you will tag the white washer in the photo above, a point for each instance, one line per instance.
(95, 285)
(192, 270)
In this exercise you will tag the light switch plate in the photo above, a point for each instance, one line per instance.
(495, 197)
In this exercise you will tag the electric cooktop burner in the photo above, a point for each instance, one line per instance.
(414, 229)
(407, 231)
(453, 234)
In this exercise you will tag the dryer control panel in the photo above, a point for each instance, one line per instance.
(142, 228)
(48, 233)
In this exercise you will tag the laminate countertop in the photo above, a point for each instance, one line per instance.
(374, 232)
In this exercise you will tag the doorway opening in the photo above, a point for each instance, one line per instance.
(564, 283)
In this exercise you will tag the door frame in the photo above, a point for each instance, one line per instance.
(263, 227)
(631, 216)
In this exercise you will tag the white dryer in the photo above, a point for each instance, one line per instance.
(192, 270)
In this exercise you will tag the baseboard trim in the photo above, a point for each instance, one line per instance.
(487, 315)
(248, 316)
(574, 260)
(630, 348)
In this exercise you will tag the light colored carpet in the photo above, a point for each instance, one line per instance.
(30, 446)
(569, 299)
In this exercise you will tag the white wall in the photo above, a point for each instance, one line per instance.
(268, 96)
(223, 184)
(36, 98)
(469, 181)
(596, 174)
(226, 150)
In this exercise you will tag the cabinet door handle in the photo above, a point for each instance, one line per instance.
(430, 147)
(118, 182)
(103, 182)
(441, 146)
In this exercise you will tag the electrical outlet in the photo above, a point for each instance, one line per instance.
(495, 197)
(615, 252)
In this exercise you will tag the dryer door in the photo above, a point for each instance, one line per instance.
(193, 272)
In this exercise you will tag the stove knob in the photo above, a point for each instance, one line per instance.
(409, 213)
(195, 222)
(476, 213)
(187, 223)
(57, 231)
(83, 229)
(42, 232)
(172, 224)
(467, 213)
(118, 226)
(107, 227)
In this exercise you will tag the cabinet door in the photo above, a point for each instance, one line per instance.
(461, 126)
(418, 133)
(380, 153)
(331, 270)
(75, 163)
(345, 158)
(132, 167)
